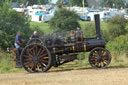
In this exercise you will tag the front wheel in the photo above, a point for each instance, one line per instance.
(99, 58)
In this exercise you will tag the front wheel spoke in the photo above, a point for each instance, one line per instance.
(95, 54)
(99, 52)
(95, 57)
(92, 62)
(95, 64)
(92, 59)
(104, 63)
(107, 56)
(103, 53)
(105, 59)
(99, 64)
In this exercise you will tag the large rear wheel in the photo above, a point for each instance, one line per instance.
(36, 58)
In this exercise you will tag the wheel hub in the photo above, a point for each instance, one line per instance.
(35, 59)
(99, 58)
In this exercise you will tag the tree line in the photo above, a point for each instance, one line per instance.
(114, 3)
(101, 3)
(10, 23)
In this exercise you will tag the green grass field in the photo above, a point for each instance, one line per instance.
(44, 27)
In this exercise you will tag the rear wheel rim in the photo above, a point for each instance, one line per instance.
(36, 58)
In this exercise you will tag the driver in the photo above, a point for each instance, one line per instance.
(18, 40)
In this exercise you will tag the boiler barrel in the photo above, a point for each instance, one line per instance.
(82, 46)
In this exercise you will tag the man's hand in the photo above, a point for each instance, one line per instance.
(22, 40)
(18, 42)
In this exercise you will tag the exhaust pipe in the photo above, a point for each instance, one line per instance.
(97, 24)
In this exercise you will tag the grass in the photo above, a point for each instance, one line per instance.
(44, 27)
(6, 63)
(83, 24)
(118, 60)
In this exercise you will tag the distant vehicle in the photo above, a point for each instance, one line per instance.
(15, 5)
(126, 16)
(47, 17)
(85, 18)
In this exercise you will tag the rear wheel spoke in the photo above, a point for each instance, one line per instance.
(42, 51)
(44, 61)
(39, 52)
(43, 57)
(43, 64)
(28, 52)
(27, 56)
(28, 59)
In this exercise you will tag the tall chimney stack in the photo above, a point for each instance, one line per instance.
(97, 24)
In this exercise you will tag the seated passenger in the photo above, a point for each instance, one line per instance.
(72, 35)
(79, 34)
(34, 35)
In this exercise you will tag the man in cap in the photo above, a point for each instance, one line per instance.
(34, 35)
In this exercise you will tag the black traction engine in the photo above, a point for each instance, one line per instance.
(39, 55)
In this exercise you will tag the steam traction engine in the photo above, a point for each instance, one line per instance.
(40, 54)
